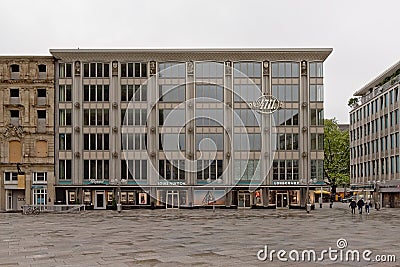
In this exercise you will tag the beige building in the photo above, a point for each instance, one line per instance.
(26, 131)
(116, 142)
(374, 139)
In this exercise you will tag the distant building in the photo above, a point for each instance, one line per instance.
(114, 142)
(374, 139)
(26, 131)
(344, 127)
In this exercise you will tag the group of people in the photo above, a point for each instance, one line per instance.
(360, 204)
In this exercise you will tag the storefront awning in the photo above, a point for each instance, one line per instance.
(323, 192)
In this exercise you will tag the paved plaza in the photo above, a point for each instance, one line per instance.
(192, 237)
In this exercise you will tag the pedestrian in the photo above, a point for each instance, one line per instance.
(367, 205)
(360, 205)
(353, 206)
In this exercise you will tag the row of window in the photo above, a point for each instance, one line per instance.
(376, 167)
(382, 144)
(38, 177)
(388, 120)
(285, 169)
(289, 141)
(96, 169)
(246, 170)
(376, 105)
(178, 70)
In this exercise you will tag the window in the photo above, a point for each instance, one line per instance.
(209, 117)
(171, 117)
(317, 116)
(247, 170)
(65, 141)
(285, 70)
(14, 114)
(65, 70)
(41, 114)
(288, 93)
(14, 68)
(172, 170)
(247, 69)
(39, 196)
(246, 92)
(172, 93)
(247, 142)
(134, 70)
(96, 169)
(317, 141)
(285, 169)
(209, 169)
(286, 117)
(209, 93)
(41, 148)
(172, 70)
(65, 169)
(216, 141)
(134, 117)
(133, 92)
(316, 92)
(39, 177)
(315, 69)
(172, 142)
(42, 68)
(10, 176)
(93, 117)
(287, 141)
(41, 92)
(96, 93)
(96, 142)
(209, 70)
(134, 169)
(65, 93)
(317, 169)
(14, 93)
(96, 70)
(246, 117)
(65, 117)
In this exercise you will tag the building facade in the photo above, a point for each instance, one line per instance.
(27, 131)
(189, 127)
(374, 139)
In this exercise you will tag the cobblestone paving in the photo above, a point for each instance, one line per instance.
(192, 237)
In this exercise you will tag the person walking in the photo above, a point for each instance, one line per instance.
(367, 206)
(360, 205)
(353, 206)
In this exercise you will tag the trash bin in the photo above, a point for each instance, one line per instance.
(119, 207)
(308, 208)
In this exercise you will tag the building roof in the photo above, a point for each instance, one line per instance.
(379, 79)
(318, 54)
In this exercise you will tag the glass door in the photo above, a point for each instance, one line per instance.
(282, 200)
(100, 200)
(172, 200)
(244, 200)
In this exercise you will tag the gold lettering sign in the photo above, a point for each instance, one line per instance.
(266, 104)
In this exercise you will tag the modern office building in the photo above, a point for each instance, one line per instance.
(374, 139)
(189, 127)
(27, 131)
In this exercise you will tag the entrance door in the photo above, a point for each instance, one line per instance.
(244, 200)
(100, 200)
(9, 202)
(282, 200)
(172, 200)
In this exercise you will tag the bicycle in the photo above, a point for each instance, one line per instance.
(32, 210)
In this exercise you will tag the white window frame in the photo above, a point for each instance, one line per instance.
(35, 178)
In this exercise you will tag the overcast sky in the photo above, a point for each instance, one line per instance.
(364, 34)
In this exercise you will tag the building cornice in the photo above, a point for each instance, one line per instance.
(379, 79)
(270, 54)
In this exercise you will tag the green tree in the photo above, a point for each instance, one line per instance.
(337, 154)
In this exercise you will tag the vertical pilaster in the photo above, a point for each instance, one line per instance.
(77, 130)
(304, 123)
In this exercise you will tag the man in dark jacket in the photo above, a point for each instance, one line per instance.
(360, 205)
(353, 206)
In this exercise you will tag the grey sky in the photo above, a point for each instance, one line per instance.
(364, 34)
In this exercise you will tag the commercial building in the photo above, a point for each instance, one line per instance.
(27, 131)
(374, 138)
(189, 127)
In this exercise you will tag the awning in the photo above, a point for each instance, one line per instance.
(324, 192)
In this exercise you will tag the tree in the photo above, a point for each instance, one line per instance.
(353, 102)
(337, 154)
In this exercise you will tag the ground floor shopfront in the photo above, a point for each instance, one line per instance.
(106, 197)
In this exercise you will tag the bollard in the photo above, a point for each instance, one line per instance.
(308, 208)
(119, 208)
